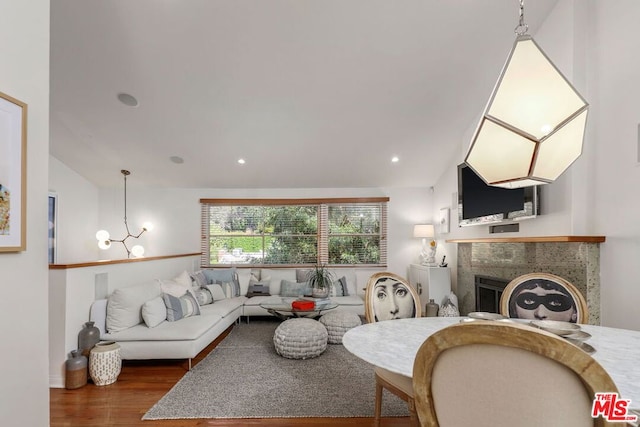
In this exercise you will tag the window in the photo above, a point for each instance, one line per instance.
(293, 232)
(53, 210)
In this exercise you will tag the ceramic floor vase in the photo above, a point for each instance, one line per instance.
(88, 337)
(105, 363)
(75, 371)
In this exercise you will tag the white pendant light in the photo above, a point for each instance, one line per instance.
(533, 127)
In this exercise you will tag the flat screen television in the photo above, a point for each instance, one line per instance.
(480, 203)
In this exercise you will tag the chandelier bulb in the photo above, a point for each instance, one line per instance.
(104, 244)
(147, 226)
(102, 235)
(137, 251)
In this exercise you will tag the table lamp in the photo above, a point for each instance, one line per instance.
(428, 253)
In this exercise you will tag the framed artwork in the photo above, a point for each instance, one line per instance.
(444, 220)
(13, 172)
(543, 296)
(389, 296)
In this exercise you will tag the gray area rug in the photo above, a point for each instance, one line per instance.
(243, 377)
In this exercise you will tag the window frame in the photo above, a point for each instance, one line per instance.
(323, 233)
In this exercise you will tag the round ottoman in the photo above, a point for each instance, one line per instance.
(300, 338)
(339, 322)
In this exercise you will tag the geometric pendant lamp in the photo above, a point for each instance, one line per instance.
(533, 127)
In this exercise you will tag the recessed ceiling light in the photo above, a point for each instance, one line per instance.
(395, 159)
(241, 161)
(128, 100)
(177, 160)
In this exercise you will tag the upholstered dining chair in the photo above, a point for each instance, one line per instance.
(387, 297)
(543, 296)
(499, 374)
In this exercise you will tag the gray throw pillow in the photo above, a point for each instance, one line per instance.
(294, 289)
(258, 289)
(224, 275)
(179, 308)
(339, 288)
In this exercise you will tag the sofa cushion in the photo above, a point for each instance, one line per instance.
(275, 276)
(223, 308)
(124, 308)
(260, 299)
(189, 328)
(351, 300)
(154, 312)
(178, 308)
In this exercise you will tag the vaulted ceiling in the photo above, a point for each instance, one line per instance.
(311, 93)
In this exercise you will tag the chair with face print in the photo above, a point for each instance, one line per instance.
(528, 377)
(543, 296)
(387, 297)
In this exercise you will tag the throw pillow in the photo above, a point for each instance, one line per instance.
(339, 288)
(183, 279)
(258, 289)
(302, 274)
(293, 289)
(154, 312)
(179, 308)
(275, 276)
(124, 308)
(173, 288)
(217, 291)
(199, 279)
(224, 275)
(203, 295)
(244, 277)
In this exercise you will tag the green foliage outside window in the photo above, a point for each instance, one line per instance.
(290, 234)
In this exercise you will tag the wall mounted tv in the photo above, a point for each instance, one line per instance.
(480, 203)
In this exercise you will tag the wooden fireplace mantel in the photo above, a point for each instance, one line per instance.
(542, 239)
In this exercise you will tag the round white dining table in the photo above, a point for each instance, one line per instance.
(393, 345)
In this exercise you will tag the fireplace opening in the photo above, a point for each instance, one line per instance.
(488, 293)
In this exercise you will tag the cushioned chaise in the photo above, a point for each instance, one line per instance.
(300, 338)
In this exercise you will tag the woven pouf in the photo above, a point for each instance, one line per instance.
(339, 322)
(300, 338)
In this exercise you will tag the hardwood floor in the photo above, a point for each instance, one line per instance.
(142, 383)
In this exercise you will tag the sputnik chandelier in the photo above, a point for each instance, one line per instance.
(533, 126)
(104, 240)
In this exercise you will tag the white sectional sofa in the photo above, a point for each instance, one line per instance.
(134, 317)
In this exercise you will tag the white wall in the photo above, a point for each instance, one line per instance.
(175, 214)
(77, 219)
(615, 87)
(24, 74)
(73, 290)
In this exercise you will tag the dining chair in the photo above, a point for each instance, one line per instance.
(543, 296)
(387, 297)
(499, 374)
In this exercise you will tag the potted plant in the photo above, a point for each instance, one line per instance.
(320, 280)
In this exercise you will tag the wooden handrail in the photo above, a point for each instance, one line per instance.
(117, 261)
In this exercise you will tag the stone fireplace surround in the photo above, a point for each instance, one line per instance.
(575, 258)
